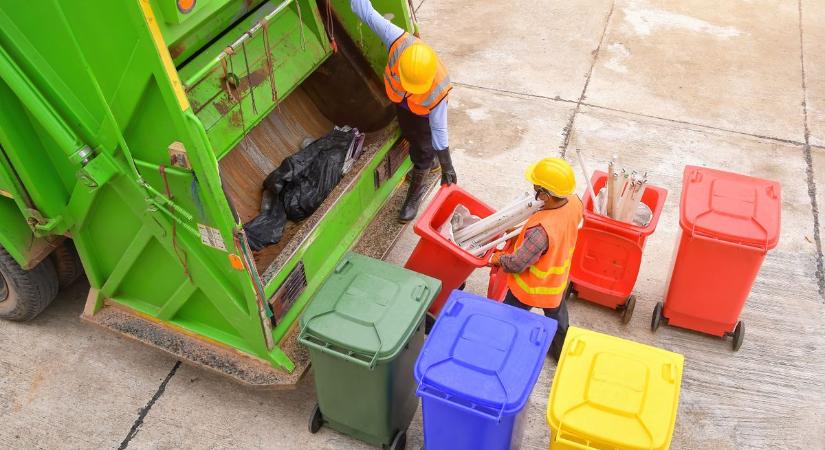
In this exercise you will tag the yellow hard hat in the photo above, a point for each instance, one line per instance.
(553, 174)
(417, 68)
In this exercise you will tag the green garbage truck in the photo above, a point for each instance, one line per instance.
(134, 139)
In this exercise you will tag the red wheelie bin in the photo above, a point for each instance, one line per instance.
(437, 256)
(728, 223)
(608, 252)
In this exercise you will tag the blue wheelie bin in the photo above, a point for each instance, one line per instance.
(476, 371)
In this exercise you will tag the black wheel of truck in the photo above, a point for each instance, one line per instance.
(399, 442)
(25, 293)
(657, 317)
(316, 420)
(627, 309)
(67, 263)
(738, 335)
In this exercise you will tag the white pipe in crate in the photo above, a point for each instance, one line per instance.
(487, 222)
(611, 186)
(493, 233)
(587, 179)
(500, 220)
(481, 250)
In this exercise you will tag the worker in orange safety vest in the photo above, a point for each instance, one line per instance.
(539, 267)
(418, 84)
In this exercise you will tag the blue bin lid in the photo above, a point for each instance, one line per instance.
(484, 353)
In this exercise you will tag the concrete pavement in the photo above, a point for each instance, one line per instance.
(738, 85)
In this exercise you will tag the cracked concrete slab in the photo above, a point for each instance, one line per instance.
(65, 384)
(813, 40)
(730, 65)
(818, 187)
(536, 48)
(202, 410)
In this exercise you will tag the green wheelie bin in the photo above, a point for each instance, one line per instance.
(364, 329)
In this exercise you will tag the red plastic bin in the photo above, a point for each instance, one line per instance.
(728, 223)
(608, 255)
(435, 255)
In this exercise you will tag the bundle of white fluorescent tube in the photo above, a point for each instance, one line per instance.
(479, 237)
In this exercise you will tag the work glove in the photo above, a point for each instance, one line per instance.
(495, 259)
(448, 175)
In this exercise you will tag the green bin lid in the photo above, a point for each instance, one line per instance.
(367, 309)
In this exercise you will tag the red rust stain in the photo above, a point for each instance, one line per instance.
(177, 49)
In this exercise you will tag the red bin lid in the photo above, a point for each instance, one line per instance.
(731, 207)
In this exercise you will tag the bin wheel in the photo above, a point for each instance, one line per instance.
(316, 420)
(399, 442)
(627, 310)
(429, 323)
(738, 335)
(657, 317)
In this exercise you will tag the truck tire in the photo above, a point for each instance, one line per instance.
(25, 293)
(67, 263)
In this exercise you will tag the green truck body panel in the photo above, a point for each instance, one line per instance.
(94, 94)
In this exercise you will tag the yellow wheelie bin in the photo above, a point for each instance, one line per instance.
(613, 393)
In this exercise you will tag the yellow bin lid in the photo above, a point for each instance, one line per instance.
(611, 392)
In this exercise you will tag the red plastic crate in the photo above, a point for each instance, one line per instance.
(435, 255)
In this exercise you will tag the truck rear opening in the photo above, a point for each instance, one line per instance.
(263, 67)
(308, 112)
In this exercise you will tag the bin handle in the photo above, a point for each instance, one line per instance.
(305, 338)
(420, 291)
(421, 391)
(569, 443)
(764, 246)
(535, 335)
(343, 265)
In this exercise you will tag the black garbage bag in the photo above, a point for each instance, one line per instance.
(266, 228)
(301, 183)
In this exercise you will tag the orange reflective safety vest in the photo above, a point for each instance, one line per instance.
(420, 104)
(543, 283)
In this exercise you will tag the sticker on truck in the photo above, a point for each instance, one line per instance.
(211, 237)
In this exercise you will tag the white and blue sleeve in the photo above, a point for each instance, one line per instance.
(387, 31)
(438, 126)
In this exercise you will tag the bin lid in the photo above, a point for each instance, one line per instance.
(368, 307)
(614, 392)
(731, 207)
(485, 353)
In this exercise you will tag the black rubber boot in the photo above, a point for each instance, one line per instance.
(435, 168)
(448, 175)
(415, 193)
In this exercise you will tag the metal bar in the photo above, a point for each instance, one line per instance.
(233, 46)
(162, 200)
(127, 260)
(176, 301)
(41, 109)
(587, 180)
